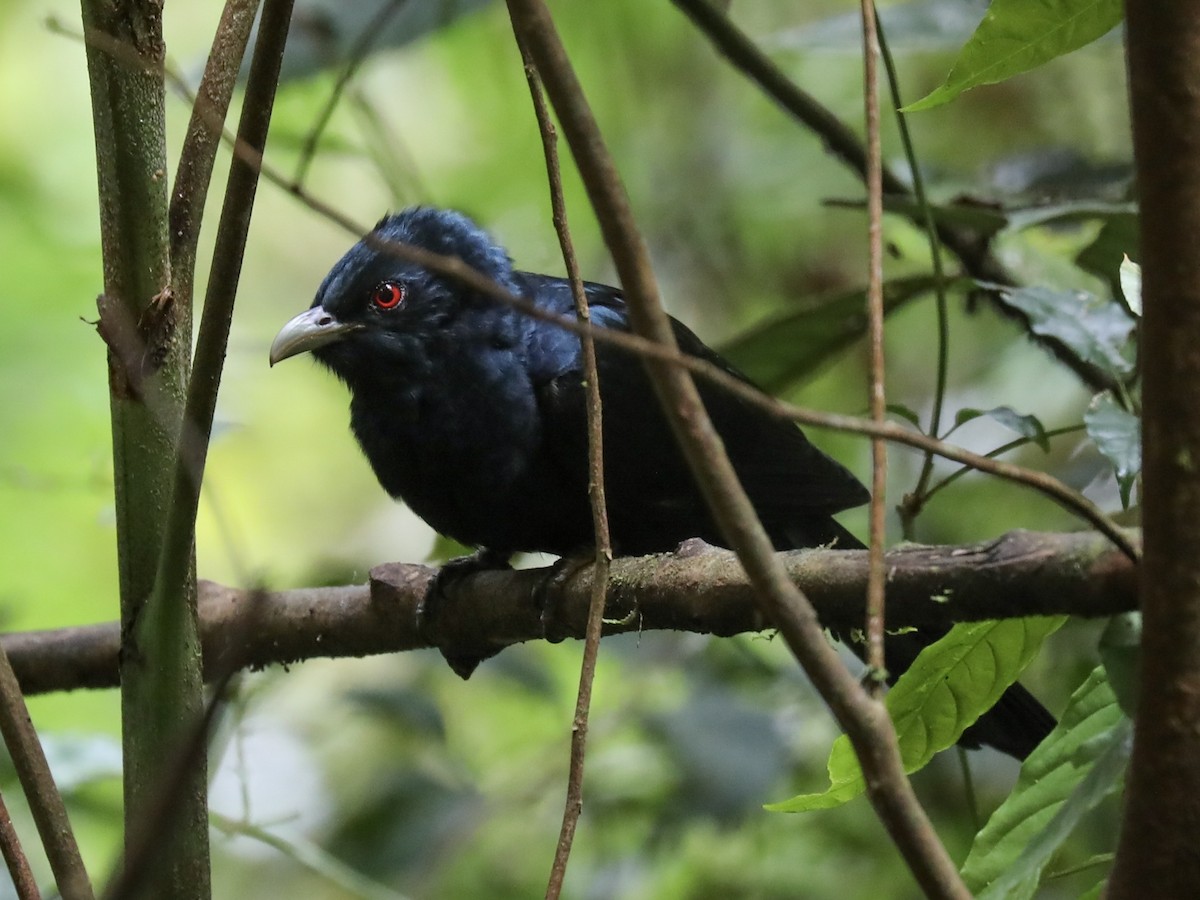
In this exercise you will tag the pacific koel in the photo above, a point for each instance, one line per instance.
(473, 414)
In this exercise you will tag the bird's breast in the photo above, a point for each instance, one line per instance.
(466, 453)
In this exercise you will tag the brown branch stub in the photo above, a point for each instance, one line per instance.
(136, 350)
(703, 591)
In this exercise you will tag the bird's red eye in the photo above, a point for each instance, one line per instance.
(387, 295)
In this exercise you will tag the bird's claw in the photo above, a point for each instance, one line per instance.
(548, 594)
(436, 596)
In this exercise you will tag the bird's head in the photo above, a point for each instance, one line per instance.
(375, 305)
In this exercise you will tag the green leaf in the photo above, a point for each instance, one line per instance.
(1025, 425)
(1075, 767)
(906, 413)
(1018, 35)
(951, 683)
(786, 349)
(1098, 331)
(1118, 436)
(1120, 650)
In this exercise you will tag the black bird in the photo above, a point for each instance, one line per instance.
(473, 414)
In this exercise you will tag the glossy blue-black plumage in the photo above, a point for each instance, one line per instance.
(473, 414)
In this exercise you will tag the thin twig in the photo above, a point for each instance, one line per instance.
(876, 677)
(15, 859)
(357, 55)
(311, 856)
(596, 494)
(864, 719)
(998, 451)
(913, 502)
(199, 151)
(45, 802)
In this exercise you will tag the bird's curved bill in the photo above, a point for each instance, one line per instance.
(311, 329)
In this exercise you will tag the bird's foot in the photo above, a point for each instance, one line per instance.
(548, 594)
(437, 596)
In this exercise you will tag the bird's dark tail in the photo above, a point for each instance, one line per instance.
(1015, 725)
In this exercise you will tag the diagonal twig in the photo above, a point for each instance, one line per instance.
(864, 719)
(877, 399)
(596, 494)
(45, 802)
(14, 858)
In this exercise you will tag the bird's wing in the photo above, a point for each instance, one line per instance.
(794, 486)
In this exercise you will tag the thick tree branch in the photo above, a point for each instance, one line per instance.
(1157, 850)
(698, 588)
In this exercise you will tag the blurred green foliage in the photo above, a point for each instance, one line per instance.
(425, 784)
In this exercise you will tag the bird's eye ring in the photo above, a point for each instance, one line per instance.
(387, 294)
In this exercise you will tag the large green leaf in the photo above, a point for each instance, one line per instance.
(1018, 35)
(1097, 330)
(951, 684)
(1118, 436)
(1079, 764)
(786, 349)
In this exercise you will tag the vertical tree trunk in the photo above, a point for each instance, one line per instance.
(148, 340)
(1157, 853)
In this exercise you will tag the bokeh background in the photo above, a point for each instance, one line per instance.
(390, 777)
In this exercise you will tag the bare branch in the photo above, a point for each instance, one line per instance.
(699, 589)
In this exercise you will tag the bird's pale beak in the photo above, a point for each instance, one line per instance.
(311, 329)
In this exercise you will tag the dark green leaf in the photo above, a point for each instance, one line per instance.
(951, 684)
(1098, 331)
(1018, 35)
(1102, 257)
(786, 349)
(1074, 768)
(1118, 435)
